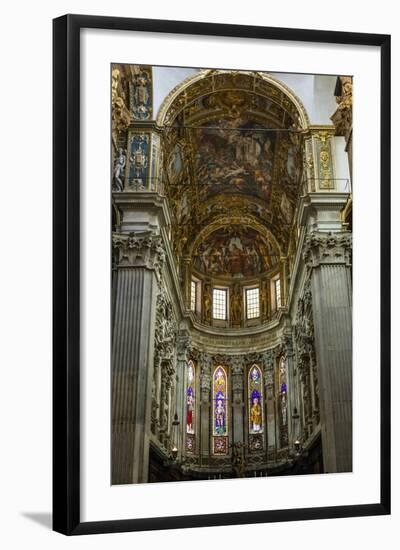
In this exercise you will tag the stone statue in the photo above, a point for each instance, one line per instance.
(236, 305)
(119, 168)
(207, 303)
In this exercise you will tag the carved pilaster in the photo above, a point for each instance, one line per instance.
(329, 393)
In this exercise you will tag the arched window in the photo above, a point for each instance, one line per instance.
(255, 396)
(190, 406)
(220, 411)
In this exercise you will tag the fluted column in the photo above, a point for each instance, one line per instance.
(140, 257)
(327, 255)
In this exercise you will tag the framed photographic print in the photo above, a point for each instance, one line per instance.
(221, 274)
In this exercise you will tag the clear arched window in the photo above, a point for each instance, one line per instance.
(255, 396)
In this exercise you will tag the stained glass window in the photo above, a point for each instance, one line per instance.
(252, 303)
(190, 398)
(193, 295)
(219, 303)
(283, 402)
(255, 393)
(220, 420)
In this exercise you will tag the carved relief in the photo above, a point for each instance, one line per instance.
(141, 92)
(325, 163)
(327, 248)
(164, 368)
(137, 170)
(306, 361)
(119, 111)
(141, 249)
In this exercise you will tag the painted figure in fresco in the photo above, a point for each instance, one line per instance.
(233, 250)
(236, 158)
(220, 417)
(255, 415)
(119, 168)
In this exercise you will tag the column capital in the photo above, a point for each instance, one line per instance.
(141, 249)
(327, 248)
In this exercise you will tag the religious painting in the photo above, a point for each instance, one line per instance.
(175, 164)
(234, 156)
(235, 250)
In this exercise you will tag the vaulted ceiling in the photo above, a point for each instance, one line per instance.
(232, 155)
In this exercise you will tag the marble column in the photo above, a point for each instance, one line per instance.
(327, 255)
(269, 397)
(140, 258)
(205, 408)
(237, 399)
(183, 342)
(290, 391)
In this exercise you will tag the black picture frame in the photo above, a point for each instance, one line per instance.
(66, 273)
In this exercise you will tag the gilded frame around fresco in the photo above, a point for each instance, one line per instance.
(66, 272)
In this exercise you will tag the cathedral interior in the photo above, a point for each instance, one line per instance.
(231, 274)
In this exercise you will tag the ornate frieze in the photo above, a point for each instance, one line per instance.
(141, 249)
(327, 248)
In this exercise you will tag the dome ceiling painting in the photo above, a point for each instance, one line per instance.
(232, 150)
(234, 251)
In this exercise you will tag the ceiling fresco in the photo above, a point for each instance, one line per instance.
(232, 153)
(234, 251)
(234, 156)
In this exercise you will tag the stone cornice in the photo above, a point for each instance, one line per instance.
(146, 201)
(327, 200)
(327, 248)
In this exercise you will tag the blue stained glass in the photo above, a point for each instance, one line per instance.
(219, 400)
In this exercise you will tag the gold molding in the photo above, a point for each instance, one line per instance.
(210, 73)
